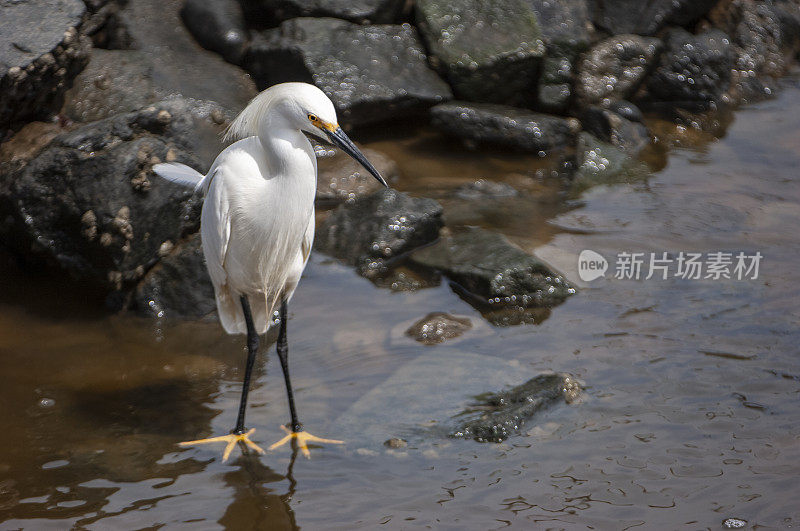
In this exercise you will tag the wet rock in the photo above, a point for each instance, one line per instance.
(647, 17)
(114, 81)
(340, 178)
(566, 32)
(615, 68)
(371, 230)
(605, 124)
(483, 189)
(105, 26)
(89, 204)
(493, 271)
(694, 70)
(271, 12)
(508, 127)
(395, 443)
(497, 416)
(765, 38)
(437, 327)
(377, 72)
(600, 162)
(488, 51)
(178, 286)
(41, 50)
(218, 26)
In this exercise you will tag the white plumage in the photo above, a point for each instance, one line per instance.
(257, 222)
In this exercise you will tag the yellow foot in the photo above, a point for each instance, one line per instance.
(231, 440)
(302, 438)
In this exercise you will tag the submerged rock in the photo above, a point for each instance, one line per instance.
(376, 72)
(218, 26)
(493, 271)
(509, 127)
(628, 135)
(694, 70)
(483, 189)
(271, 12)
(497, 416)
(600, 162)
(615, 68)
(41, 50)
(89, 203)
(488, 51)
(647, 17)
(371, 230)
(178, 286)
(340, 178)
(438, 327)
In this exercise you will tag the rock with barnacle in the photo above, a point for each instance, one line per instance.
(88, 204)
(496, 416)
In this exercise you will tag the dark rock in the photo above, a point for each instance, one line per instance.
(106, 27)
(765, 38)
(41, 50)
(632, 137)
(271, 12)
(178, 286)
(218, 26)
(566, 32)
(395, 443)
(600, 162)
(496, 417)
(114, 81)
(694, 70)
(438, 327)
(646, 17)
(489, 51)
(376, 72)
(89, 203)
(627, 110)
(340, 178)
(509, 127)
(371, 230)
(180, 66)
(493, 270)
(483, 189)
(615, 68)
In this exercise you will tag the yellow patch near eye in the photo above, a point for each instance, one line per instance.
(328, 126)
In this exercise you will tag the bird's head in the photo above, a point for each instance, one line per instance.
(311, 111)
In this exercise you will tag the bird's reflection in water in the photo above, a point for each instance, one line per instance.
(255, 505)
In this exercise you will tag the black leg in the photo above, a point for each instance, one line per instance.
(283, 355)
(252, 351)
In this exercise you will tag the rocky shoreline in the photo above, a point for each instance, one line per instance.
(91, 96)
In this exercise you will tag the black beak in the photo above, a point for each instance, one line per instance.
(341, 140)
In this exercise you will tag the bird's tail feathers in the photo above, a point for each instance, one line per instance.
(180, 174)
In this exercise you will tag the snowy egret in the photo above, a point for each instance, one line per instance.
(257, 223)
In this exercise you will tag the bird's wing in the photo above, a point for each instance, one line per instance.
(180, 174)
(216, 227)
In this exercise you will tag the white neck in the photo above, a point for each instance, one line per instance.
(288, 151)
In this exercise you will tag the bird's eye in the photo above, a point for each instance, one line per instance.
(313, 117)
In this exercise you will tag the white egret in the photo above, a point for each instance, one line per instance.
(257, 223)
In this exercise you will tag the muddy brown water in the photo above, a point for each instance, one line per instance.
(689, 414)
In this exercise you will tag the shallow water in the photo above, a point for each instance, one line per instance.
(689, 415)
